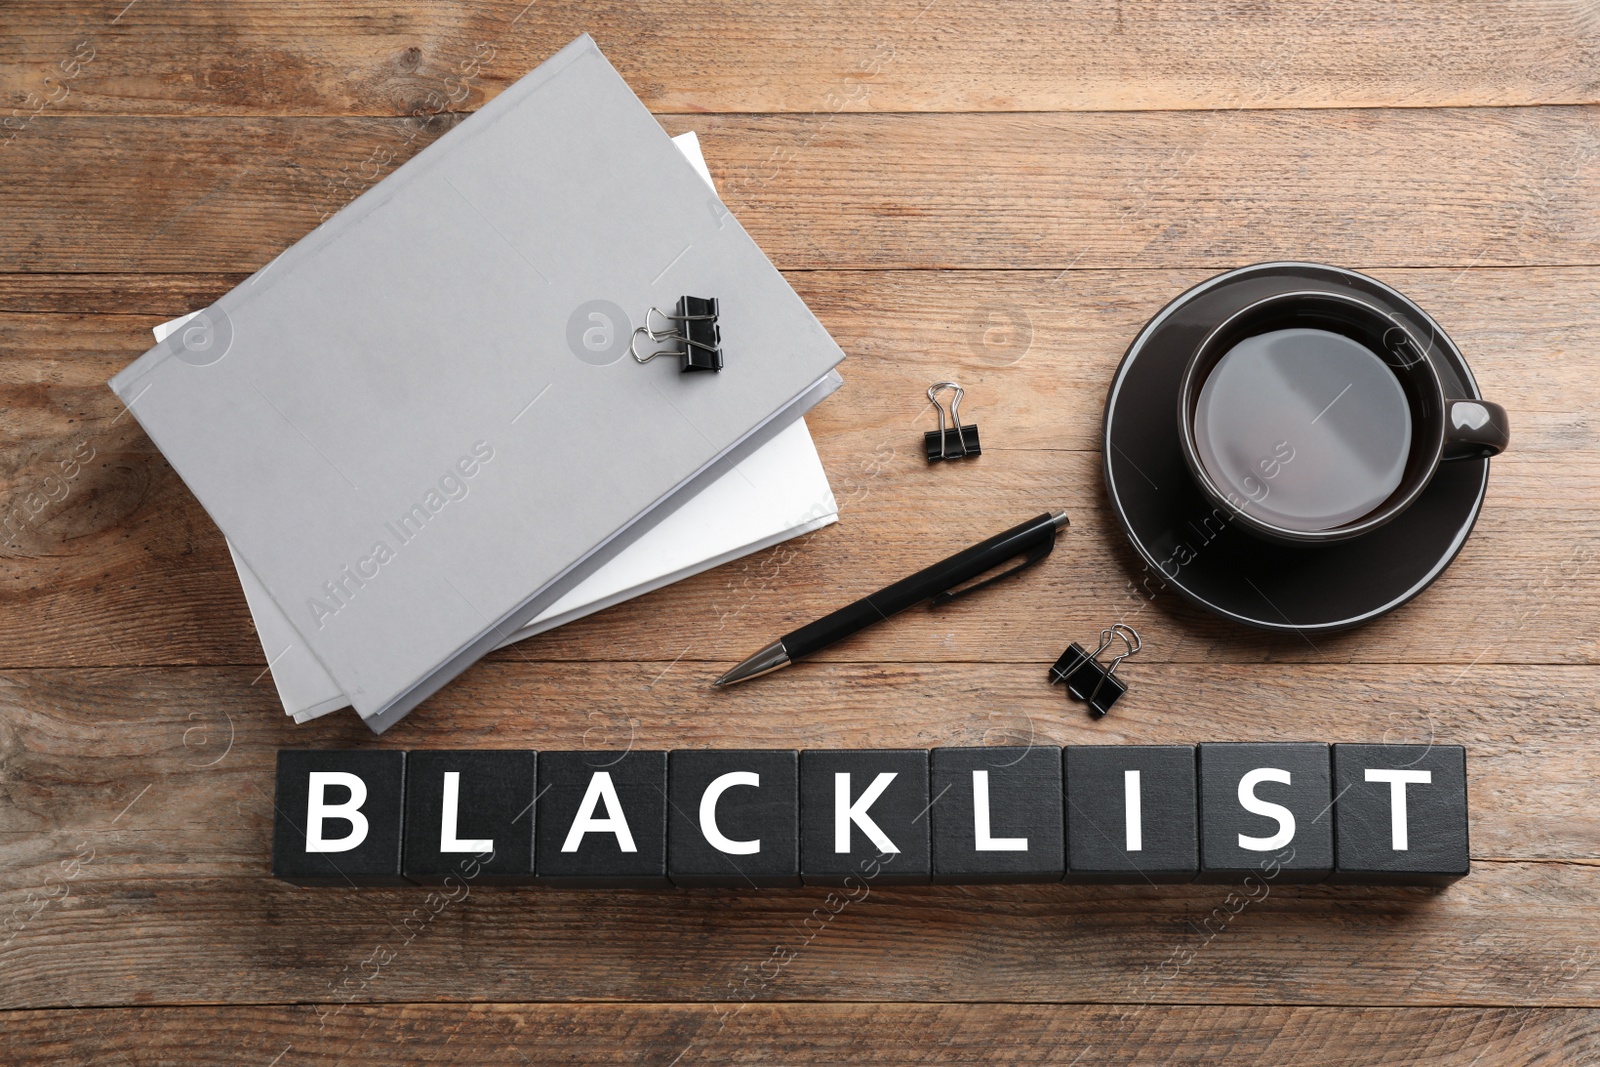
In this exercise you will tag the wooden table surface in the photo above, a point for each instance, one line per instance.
(999, 191)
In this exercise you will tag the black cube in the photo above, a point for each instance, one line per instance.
(338, 817)
(1402, 814)
(864, 817)
(734, 818)
(601, 820)
(1131, 815)
(469, 816)
(1266, 809)
(997, 815)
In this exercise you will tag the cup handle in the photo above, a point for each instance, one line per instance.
(1474, 429)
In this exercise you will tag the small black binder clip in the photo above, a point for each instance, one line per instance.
(1087, 679)
(955, 441)
(697, 329)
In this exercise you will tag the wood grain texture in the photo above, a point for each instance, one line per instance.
(307, 58)
(816, 1034)
(1401, 187)
(137, 927)
(123, 567)
(999, 192)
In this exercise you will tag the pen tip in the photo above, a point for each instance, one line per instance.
(768, 659)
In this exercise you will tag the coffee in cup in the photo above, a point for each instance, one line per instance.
(1316, 417)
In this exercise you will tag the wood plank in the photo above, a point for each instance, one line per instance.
(137, 928)
(82, 744)
(1441, 187)
(264, 57)
(161, 295)
(125, 568)
(871, 1033)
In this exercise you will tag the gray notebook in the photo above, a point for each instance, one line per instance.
(369, 417)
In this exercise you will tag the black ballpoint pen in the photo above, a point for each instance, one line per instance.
(1033, 539)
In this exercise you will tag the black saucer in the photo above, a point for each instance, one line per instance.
(1184, 541)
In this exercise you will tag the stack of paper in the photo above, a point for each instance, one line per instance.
(779, 492)
(419, 427)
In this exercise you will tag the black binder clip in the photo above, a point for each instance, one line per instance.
(697, 329)
(953, 442)
(1089, 681)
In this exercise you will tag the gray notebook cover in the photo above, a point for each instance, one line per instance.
(368, 416)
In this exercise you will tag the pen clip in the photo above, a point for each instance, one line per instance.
(1035, 554)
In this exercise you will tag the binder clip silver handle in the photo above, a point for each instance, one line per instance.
(639, 331)
(1130, 641)
(675, 318)
(702, 342)
(937, 443)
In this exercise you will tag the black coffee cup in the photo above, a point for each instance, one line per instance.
(1337, 386)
